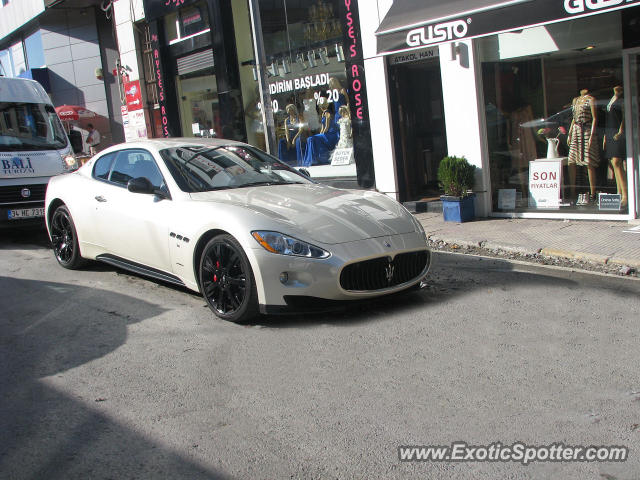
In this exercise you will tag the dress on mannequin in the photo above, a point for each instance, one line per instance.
(287, 154)
(614, 142)
(615, 147)
(319, 146)
(311, 114)
(583, 147)
(579, 151)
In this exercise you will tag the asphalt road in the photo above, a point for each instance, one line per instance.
(108, 375)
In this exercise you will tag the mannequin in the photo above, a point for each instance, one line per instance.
(583, 146)
(310, 111)
(290, 147)
(319, 146)
(346, 135)
(614, 142)
(343, 99)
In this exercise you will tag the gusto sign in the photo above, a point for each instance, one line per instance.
(440, 32)
(579, 6)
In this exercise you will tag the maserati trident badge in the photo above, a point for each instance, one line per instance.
(388, 271)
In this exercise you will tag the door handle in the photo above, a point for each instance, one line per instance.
(100, 198)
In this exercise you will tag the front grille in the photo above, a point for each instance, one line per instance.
(381, 273)
(12, 193)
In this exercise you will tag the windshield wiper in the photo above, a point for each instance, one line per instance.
(267, 184)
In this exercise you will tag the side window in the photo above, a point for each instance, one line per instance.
(133, 164)
(103, 166)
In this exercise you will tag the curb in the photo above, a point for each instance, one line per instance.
(526, 251)
(626, 262)
(589, 257)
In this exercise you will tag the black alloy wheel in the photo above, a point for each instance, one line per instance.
(226, 280)
(64, 239)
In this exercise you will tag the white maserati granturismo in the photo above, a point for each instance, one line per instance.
(223, 218)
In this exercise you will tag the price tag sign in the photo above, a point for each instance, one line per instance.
(342, 156)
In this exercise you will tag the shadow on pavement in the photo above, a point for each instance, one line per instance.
(450, 275)
(24, 238)
(49, 434)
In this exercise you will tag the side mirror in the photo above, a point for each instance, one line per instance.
(140, 185)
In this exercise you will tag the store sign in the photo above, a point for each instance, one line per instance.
(413, 56)
(580, 6)
(440, 32)
(609, 201)
(133, 95)
(159, 72)
(154, 9)
(545, 181)
(301, 83)
(356, 88)
(514, 16)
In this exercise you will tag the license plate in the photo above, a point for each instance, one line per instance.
(26, 213)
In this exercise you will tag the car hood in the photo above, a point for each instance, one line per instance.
(321, 213)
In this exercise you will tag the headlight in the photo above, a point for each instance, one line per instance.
(69, 162)
(276, 242)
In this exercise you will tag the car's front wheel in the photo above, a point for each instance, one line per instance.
(227, 281)
(64, 239)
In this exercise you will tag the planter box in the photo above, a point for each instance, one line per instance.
(458, 209)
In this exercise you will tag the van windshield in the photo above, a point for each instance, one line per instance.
(30, 126)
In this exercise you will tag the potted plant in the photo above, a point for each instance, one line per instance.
(456, 177)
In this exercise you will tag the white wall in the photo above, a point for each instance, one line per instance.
(378, 97)
(461, 111)
(18, 12)
(126, 12)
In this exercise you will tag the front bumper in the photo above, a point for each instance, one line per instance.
(317, 281)
(6, 222)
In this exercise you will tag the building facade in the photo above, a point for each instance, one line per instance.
(284, 76)
(542, 96)
(67, 47)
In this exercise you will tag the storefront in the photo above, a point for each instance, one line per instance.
(308, 75)
(554, 85)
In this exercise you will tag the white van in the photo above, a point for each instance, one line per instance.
(33, 148)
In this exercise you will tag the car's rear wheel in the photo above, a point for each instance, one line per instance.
(64, 239)
(227, 281)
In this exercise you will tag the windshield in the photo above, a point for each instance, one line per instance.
(198, 168)
(30, 126)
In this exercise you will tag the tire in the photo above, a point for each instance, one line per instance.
(64, 239)
(226, 280)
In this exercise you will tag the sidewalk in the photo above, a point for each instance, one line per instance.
(600, 242)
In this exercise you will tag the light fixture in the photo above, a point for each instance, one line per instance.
(255, 74)
(339, 52)
(273, 69)
(311, 56)
(324, 55)
(300, 61)
(286, 66)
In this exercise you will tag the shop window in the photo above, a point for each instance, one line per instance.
(307, 84)
(550, 104)
(187, 22)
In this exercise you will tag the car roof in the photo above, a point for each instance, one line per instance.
(173, 142)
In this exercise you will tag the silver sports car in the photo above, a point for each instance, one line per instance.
(227, 220)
